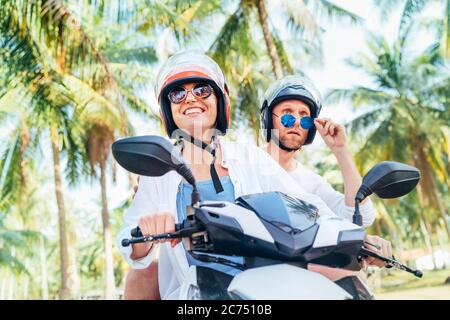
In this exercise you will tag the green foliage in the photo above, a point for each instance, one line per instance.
(12, 241)
(240, 50)
(411, 10)
(404, 119)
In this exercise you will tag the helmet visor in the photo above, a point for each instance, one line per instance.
(188, 64)
(295, 83)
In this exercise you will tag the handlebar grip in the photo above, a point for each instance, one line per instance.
(136, 232)
(127, 242)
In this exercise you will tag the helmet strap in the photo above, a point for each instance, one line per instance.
(211, 148)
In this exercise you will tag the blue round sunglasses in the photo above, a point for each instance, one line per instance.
(288, 121)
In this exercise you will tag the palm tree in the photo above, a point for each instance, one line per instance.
(92, 81)
(411, 11)
(20, 182)
(102, 120)
(44, 72)
(250, 50)
(99, 138)
(406, 117)
(301, 16)
(15, 193)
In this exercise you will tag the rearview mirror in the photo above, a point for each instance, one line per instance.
(152, 156)
(389, 179)
(147, 155)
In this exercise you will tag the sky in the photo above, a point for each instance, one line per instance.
(339, 43)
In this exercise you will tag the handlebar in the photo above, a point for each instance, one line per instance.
(180, 232)
(136, 232)
(390, 262)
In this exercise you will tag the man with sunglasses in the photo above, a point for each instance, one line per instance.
(289, 120)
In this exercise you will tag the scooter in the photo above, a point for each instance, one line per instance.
(278, 235)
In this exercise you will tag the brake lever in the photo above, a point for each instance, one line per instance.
(373, 245)
(390, 262)
(186, 232)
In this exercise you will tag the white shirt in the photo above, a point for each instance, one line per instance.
(315, 184)
(251, 170)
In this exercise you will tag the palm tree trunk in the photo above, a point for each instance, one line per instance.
(11, 287)
(254, 124)
(378, 227)
(43, 263)
(114, 171)
(429, 244)
(271, 48)
(421, 187)
(131, 180)
(74, 274)
(107, 238)
(3, 287)
(43, 259)
(425, 225)
(24, 141)
(65, 289)
(26, 288)
(427, 172)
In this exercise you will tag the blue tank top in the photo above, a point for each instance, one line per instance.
(207, 192)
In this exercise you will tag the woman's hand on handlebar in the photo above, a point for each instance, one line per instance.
(380, 246)
(163, 222)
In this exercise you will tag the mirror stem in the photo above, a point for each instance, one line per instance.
(357, 217)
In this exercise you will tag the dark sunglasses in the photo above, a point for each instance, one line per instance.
(288, 121)
(179, 94)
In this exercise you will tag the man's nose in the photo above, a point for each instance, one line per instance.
(297, 122)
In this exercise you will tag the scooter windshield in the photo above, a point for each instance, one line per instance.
(286, 212)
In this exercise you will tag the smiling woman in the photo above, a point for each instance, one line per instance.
(194, 107)
(181, 84)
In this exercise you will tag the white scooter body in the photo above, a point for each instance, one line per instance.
(277, 235)
(281, 282)
(328, 235)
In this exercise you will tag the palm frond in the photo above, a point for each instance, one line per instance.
(300, 18)
(234, 41)
(181, 17)
(367, 121)
(410, 10)
(283, 54)
(9, 261)
(386, 7)
(143, 55)
(446, 31)
(334, 12)
(360, 96)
